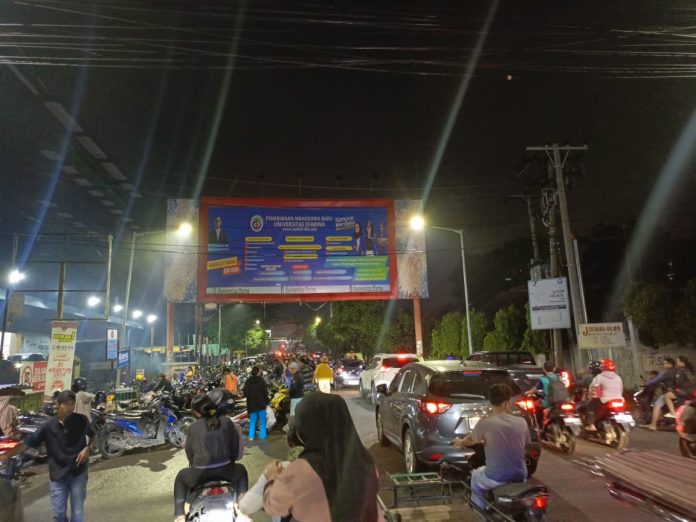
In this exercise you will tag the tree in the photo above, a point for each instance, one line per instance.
(652, 310)
(355, 326)
(478, 331)
(447, 336)
(686, 315)
(402, 333)
(508, 332)
(236, 322)
(255, 339)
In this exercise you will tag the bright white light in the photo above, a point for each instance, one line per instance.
(317, 320)
(93, 300)
(184, 229)
(137, 314)
(417, 223)
(258, 322)
(118, 308)
(15, 277)
(151, 318)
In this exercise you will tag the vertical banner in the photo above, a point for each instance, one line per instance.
(61, 356)
(549, 306)
(111, 344)
(123, 359)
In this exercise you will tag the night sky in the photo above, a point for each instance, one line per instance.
(310, 100)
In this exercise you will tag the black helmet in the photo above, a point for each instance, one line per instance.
(595, 367)
(79, 384)
(223, 399)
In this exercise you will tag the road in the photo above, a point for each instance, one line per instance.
(139, 485)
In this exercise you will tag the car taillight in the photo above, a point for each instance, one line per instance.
(567, 406)
(617, 404)
(433, 407)
(6, 445)
(525, 404)
(339, 370)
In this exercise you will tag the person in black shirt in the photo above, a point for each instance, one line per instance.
(212, 447)
(67, 437)
(256, 393)
(164, 384)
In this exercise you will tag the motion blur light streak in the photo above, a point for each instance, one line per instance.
(672, 173)
(458, 99)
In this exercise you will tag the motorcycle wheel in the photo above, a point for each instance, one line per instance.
(111, 442)
(568, 446)
(186, 423)
(176, 436)
(621, 439)
(687, 449)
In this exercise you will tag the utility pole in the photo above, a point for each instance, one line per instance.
(528, 200)
(553, 152)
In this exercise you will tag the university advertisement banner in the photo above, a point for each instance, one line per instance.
(61, 356)
(111, 344)
(280, 250)
(601, 336)
(33, 374)
(548, 303)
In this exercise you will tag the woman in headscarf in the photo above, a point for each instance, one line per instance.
(334, 479)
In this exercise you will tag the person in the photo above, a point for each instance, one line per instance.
(370, 245)
(164, 384)
(546, 387)
(683, 383)
(307, 370)
(67, 437)
(278, 369)
(212, 449)
(605, 387)
(295, 390)
(359, 246)
(217, 236)
(8, 418)
(505, 439)
(256, 393)
(323, 376)
(382, 241)
(230, 382)
(666, 378)
(83, 400)
(321, 484)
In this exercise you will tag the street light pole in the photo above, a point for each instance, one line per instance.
(460, 232)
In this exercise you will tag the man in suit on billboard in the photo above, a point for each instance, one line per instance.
(217, 235)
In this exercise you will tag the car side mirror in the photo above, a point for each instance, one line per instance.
(382, 388)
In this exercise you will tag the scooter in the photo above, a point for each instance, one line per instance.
(613, 428)
(212, 502)
(156, 427)
(561, 426)
(519, 501)
(645, 399)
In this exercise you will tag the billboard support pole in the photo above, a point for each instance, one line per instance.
(169, 349)
(419, 330)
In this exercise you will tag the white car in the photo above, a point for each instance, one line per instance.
(381, 370)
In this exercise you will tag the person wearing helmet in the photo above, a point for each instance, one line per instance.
(667, 379)
(164, 384)
(605, 387)
(83, 400)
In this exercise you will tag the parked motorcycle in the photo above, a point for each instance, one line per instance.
(159, 425)
(613, 428)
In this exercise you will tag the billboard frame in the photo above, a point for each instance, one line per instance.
(207, 202)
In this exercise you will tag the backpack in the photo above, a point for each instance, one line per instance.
(557, 392)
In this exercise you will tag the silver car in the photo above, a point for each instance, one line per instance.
(429, 404)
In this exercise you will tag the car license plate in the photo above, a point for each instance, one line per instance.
(473, 421)
(352, 382)
(569, 421)
(624, 417)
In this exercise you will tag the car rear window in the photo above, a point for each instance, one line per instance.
(398, 362)
(351, 364)
(460, 384)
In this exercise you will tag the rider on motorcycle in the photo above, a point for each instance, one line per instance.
(605, 387)
(667, 379)
(505, 439)
(212, 447)
(547, 388)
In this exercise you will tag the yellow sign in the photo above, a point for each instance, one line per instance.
(222, 263)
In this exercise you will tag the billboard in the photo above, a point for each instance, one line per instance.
(598, 336)
(61, 356)
(283, 250)
(548, 303)
(111, 344)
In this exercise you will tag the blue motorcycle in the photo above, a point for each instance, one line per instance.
(155, 426)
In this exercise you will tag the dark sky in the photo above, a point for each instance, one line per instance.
(340, 99)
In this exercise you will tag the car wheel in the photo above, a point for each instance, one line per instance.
(412, 463)
(380, 429)
(373, 394)
(362, 390)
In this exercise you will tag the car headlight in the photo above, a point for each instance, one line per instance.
(17, 365)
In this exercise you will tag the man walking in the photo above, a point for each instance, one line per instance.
(230, 382)
(67, 437)
(323, 376)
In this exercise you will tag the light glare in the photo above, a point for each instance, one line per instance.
(137, 314)
(151, 318)
(417, 223)
(93, 300)
(15, 277)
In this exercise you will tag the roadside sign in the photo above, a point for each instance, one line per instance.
(601, 336)
(111, 344)
(548, 303)
(123, 358)
(61, 356)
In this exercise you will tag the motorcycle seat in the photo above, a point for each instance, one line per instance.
(516, 490)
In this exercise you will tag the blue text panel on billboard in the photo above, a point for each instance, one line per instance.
(298, 250)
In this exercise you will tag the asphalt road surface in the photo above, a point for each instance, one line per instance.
(139, 485)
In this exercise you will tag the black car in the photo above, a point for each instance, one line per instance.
(347, 373)
(429, 404)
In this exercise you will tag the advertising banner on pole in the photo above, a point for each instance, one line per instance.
(33, 374)
(548, 303)
(111, 344)
(280, 250)
(61, 356)
(123, 359)
(601, 336)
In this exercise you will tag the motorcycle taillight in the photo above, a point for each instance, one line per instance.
(6, 445)
(216, 491)
(540, 502)
(617, 404)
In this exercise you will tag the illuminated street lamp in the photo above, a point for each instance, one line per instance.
(117, 308)
(258, 322)
(317, 320)
(417, 223)
(93, 301)
(14, 277)
(137, 314)
(151, 318)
